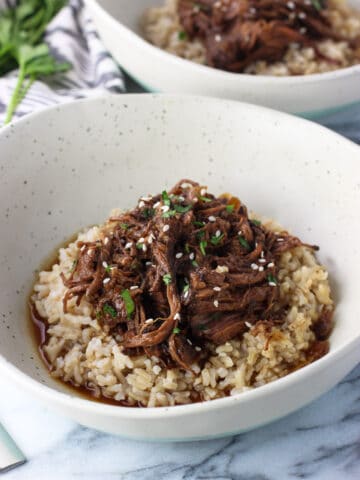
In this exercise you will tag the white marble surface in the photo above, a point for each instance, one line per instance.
(320, 441)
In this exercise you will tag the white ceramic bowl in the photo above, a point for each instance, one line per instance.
(117, 22)
(67, 167)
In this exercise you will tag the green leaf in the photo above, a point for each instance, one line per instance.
(168, 214)
(182, 35)
(203, 245)
(205, 199)
(167, 278)
(198, 224)
(165, 198)
(216, 240)
(181, 209)
(272, 279)
(128, 301)
(256, 222)
(176, 330)
(244, 242)
(230, 208)
(109, 310)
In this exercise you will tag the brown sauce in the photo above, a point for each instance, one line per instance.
(38, 329)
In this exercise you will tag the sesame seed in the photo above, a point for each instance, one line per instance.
(141, 204)
(272, 284)
(261, 269)
(186, 294)
(185, 185)
(262, 260)
(303, 30)
(262, 254)
(134, 287)
(192, 256)
(290, 5)
(254, 266)
(177, 316)
(217, 38)
(279, 239)
(195, 200)
(104, 264)
(106, 280)
(147, 199)
(212, 218)
(144, 247)
(222, 269)
(149, 320)
(156, 369)
(129, 245)
(203, 192)
(150, 239)
(218, 233)
(106, 240)
(270, 265)
(148, 264)
(165, 208)
(216, 303)
(217, 289)
(189, 341)
(252, 10)
(141, 240)
(240, 232)
(156, 204)
(82, 248)
(166, 228)
(179, 255)
(302, 15)
(248, 324)
(198, 349)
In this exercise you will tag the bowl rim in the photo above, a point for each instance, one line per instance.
(223, 75)
(72, 399)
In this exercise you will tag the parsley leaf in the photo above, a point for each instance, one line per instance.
(176, 330)
(109, 310)
(167, 278)
(203, 245)
(128, 301)
(165, 198)
(216, 240)
(181, 209)
(244, 243)
(230, 208)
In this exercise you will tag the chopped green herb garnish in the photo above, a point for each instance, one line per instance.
(168, 214)
(194, 263)
(187, 248)
(317, 4)
(181, 209)
(128, 301)
(203, 245)
(167, 278)
(271, 279)
(139, 246)
(98, 315)
(109, 310)
(256, 222)
(182, 35)
(124, 226)
(205, 199)
(165, 198)
(216, 240)
(198, 224)
(186, 288)
(108, 269)
(176, 330)
(73, 266)
(147, 212)
(244, 242)
(230, 208)
(200, 235)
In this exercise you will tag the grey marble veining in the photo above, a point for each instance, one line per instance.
(318, 442)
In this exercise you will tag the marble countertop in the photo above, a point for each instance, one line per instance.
(320, 441)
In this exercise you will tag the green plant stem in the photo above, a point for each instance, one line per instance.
(14, 102)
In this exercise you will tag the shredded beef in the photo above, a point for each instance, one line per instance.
(182, 269)
(237, 33)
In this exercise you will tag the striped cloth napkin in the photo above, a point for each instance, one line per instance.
(71, 37)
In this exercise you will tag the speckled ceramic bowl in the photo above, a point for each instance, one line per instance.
(118, 23)
(65, 168)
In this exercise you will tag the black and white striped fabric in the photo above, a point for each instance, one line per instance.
(71, 37)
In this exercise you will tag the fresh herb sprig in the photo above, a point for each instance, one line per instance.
(22, 46)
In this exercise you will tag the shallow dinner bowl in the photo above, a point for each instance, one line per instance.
(67, 167)
(118, 23)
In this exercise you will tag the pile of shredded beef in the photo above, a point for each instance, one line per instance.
(237, 33)
(182, 269)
